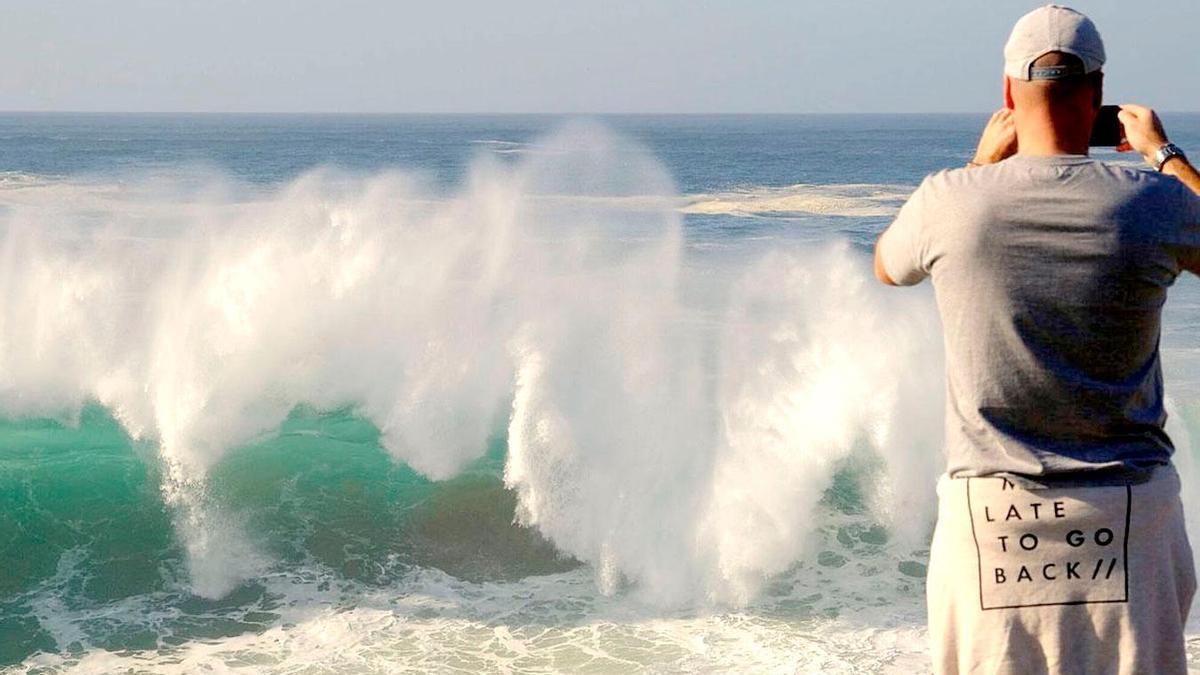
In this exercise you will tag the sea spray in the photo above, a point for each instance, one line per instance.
(683, 456)
(814, 362)
(205, 336)
(1183, 422)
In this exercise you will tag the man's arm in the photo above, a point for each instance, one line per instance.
(1184, 171)
(1144, 134)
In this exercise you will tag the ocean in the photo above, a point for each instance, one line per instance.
(458, 393)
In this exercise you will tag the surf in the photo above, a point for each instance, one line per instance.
(240, 401)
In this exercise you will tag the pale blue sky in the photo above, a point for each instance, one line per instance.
(558, 56)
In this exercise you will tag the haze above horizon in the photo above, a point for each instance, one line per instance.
(542, 57)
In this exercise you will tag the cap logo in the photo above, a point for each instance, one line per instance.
(1055, 72)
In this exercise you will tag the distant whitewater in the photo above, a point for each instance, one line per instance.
(531, 419)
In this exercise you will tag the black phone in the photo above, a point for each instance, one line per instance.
(1107, 131)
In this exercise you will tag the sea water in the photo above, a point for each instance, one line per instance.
(474, 394)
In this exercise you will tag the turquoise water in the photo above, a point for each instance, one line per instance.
(321, 490)
(367, 394)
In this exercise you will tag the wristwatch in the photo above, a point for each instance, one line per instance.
(1166, 152)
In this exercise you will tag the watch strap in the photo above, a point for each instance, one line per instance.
(1165, 153)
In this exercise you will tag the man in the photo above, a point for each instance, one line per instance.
(1060, 544)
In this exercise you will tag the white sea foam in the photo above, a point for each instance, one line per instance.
(852, 200)
(311, 619)
(501, 147)
(13, 180)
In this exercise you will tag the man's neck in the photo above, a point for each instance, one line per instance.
(1050, 146)
(1043, 134)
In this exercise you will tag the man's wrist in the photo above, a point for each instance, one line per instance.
(1164, 153)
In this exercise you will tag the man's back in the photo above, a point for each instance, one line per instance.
(1050, 274)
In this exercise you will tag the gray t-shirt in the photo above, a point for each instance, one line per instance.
(1050, 275)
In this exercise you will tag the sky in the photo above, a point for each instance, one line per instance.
(559, 56)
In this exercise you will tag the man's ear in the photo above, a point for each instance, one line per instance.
(1008, 99)
(1098, 94)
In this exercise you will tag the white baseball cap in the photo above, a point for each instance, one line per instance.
(1052, 28)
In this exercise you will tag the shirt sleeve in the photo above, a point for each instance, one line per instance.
(1188, 242)
(1191, 208)
(901, 247)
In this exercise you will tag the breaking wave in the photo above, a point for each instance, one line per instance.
(684, 461)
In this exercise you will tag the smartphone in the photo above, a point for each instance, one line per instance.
(1107, 132)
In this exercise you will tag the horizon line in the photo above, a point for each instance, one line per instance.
(509, 113)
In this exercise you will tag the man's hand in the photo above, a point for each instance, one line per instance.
(999, 139)
(1143, 131)
(1144, 134)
